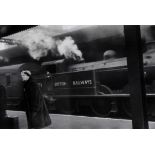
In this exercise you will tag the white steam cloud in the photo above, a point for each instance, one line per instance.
(69, 49)
(40, 44)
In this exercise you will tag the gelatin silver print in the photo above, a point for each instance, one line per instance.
(77, 76)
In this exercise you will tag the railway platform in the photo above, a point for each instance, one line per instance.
(60, 121)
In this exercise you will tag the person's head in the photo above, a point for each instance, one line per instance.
(25, 74)
(109, 54)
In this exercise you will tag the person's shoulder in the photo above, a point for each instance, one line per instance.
(32, 83)
(2, 87)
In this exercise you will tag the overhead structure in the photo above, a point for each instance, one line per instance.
(6, 30)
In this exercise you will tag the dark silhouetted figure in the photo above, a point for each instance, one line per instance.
(36, 110)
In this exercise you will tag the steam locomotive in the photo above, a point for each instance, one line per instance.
(97, 84)
(102, 86)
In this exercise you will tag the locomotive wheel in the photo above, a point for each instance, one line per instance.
(102, 107)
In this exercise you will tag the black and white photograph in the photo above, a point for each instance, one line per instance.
(77, 76)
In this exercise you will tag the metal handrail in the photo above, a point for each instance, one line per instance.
(100, 96)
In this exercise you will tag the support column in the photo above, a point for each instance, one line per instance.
(136, 76)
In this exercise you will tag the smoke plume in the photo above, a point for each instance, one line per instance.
(69, 49)
(39, 44)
